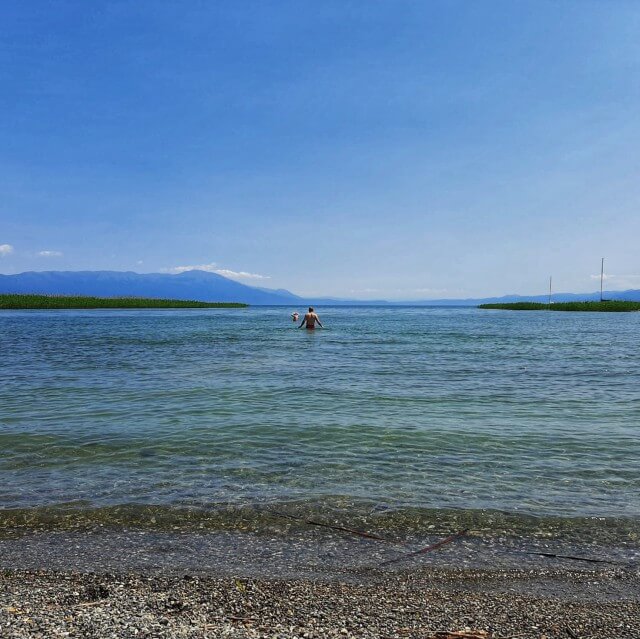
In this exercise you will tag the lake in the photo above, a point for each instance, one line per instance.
(397, 419)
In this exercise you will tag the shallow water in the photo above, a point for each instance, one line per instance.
(397, 418)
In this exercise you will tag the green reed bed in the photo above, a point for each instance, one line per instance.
(610, 306)
(11, 301)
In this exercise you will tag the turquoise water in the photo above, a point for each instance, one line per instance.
(404, 414)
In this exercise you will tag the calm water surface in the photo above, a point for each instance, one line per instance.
(404, 412)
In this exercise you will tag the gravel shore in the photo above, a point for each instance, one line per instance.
(516, 604)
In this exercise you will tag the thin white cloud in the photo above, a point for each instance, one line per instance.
(5, 249)
(213, 268)
(619, 281)
(50, 253)
(242, 275)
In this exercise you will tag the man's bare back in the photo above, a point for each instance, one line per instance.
(311, 319)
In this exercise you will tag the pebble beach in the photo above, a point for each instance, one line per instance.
(417, 605)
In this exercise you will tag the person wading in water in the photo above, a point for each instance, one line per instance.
(311, 319)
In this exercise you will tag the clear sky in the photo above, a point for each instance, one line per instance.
(399, 150)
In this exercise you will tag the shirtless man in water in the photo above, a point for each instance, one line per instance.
(310, 319)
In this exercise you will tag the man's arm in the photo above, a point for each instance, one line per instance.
(319, 322)
(303, 323)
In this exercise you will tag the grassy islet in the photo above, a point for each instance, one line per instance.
(608, 306)
(26, 301)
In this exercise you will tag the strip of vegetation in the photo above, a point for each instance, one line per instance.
(609, 306)
(11, 301)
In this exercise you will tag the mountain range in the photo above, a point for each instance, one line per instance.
(212, 287)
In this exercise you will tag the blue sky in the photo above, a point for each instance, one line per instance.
(400, 150)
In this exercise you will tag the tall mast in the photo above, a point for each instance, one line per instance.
(601, 277)
(550, 290)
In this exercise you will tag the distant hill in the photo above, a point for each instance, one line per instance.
(210, 287)
(190, 285)
(630, 295)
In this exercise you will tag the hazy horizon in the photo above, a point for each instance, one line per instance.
(357, 299)
(362, 151)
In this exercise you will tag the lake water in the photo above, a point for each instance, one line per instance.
(399, 419)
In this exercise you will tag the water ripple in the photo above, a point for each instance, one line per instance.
(404, 408)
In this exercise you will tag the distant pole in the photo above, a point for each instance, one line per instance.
(601, 277)
(550, 290)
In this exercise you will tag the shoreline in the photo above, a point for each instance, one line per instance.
(36, 302)
(604, 306)
(413, 604)
(311, 553)
(313, 583)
